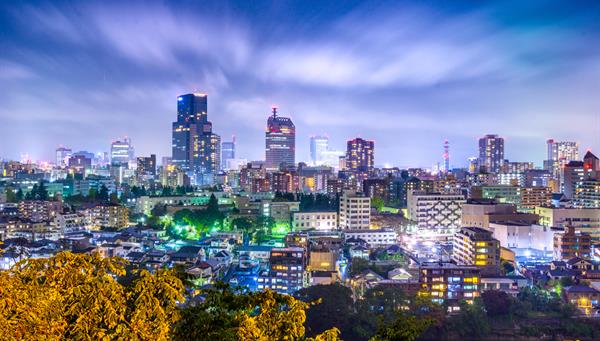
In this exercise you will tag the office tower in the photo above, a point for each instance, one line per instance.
(576, 172)
(318, 146)
(280, 142)
(121, 152)
(355, 211)
(146, 167)
(227, 152)
(559, 154)
(360, 157)
(491, 153)
(475, 246)
(446, 156)
(195, 148)
(192, 112)
(62, 156)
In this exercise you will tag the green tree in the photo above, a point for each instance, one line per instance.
(335, 308)
(377, 203)
(497, 303)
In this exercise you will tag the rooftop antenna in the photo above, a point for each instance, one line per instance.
(274, 108)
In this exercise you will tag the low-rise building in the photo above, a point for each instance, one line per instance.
(570, 244)
(449, 283)
(381, 237)
(314, 221)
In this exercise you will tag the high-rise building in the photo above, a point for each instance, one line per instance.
(318, 146)
(121, 152)
(146, 167)
(360, 157)
(559, 154)
(62, 156)
(446, 156)
(355, 211)
(280, 141)
(195, 148)
(227, 152)
(491, 153)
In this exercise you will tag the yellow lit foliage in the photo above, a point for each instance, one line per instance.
(279, 317)
(78, 296)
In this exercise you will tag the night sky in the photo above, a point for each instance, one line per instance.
(405, 74)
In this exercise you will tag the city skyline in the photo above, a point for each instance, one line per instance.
(480, 70)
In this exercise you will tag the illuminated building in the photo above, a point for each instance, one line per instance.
(355, 211)
(380, 237)
(524, 239)
(475, 246)
(334, 186)
(491, 153)
(436, 213)
(109, 216)
(583, 297)
(280, 211)
(39, 210)
(583, 219)
(360, 157)
(285, 182)
(322, 259)
(501, 193)
(535, 196)
(318, 146)
(146, 168)
(121, 152)
(575, 172)
(587, 194)
(571, 244)
(560, 153)
(172, 176)
(314, 220)
(483, 212)
(62, 156)
(287, 273)
(280, 142)
(448, 283)
(80, 164)
(376, 188)
(196, 150)
(517, 167)
(227, 153)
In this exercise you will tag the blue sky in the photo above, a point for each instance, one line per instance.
(406, 74)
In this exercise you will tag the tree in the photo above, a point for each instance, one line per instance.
(224, 314)
(471, 321)
(335, 308)
(406, 328)
(71, 296)
(496, 302)
(358, 265)
(103, 194)
(11, 196)
(507, 267)
(279, 317)
(377, 203)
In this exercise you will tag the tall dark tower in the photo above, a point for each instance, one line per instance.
(280, 141)
(491, 153)
(195, 146)
(360, 156)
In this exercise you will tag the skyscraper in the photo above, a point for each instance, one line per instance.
(62, 156)
(121, 152)
(195, 148)
(491, 153)
(280, 141)
(227, 152)
(318, 147)
(559, 154)
(360, 156)
(446, 156)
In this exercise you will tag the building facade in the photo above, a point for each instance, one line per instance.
(355, 211)
(491, 153)
(280, 142)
